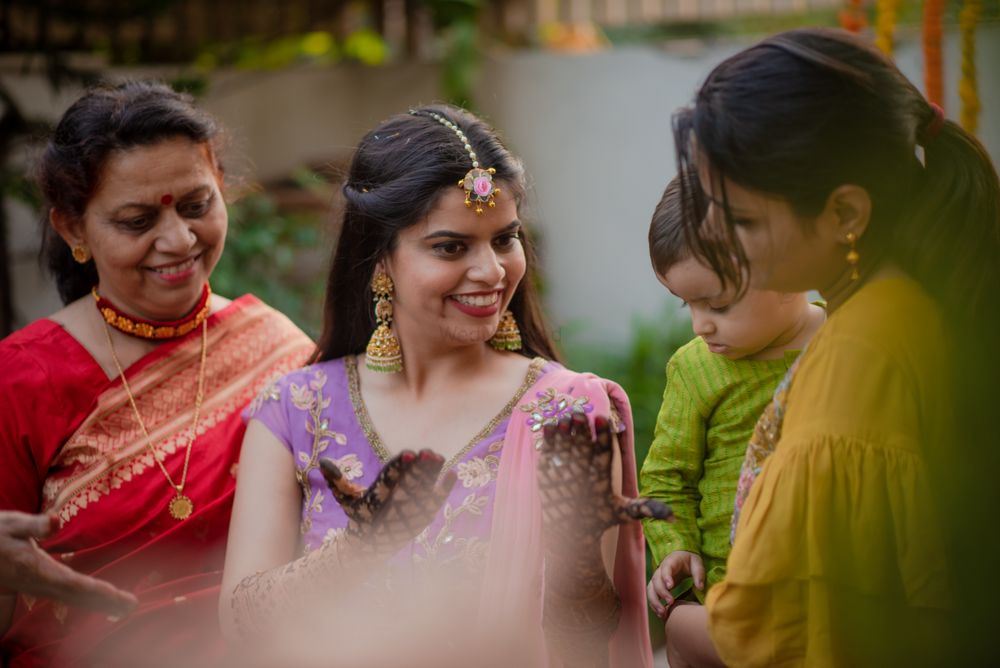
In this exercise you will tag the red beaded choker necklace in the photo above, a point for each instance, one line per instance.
(153, 329)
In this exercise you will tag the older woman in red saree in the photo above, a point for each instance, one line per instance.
(121, 411)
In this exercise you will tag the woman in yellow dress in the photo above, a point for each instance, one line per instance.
(826, 169)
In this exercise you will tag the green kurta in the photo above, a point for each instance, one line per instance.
(710, 407)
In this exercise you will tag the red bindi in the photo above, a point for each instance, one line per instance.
(166, 199)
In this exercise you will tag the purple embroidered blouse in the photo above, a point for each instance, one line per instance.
(317, 411)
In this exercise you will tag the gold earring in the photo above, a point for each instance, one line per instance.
(383, 353)
(81, 254)
(508, 336)
(853, 257)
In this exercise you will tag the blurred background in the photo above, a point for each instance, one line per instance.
(582, 90)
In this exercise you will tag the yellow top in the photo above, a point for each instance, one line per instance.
(839, 557)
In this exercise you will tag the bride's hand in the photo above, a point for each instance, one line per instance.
(401, 502)
(574, 479)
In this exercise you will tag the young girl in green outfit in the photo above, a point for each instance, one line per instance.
(717, 387)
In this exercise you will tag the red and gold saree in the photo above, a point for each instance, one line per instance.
(70, 445)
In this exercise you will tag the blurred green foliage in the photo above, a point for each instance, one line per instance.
(278, 256)
(639, 365)
(253, 53)
(17, 185)
(456, 24)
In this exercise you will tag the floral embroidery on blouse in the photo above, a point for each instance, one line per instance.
(350, 466)
(310, 398)
(480, 471)
(550, 407)
(471, 504)
(271, 392)
(474, 473)
(471, 553)
(332, 534)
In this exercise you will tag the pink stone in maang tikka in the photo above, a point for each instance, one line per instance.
(483, 186)
(479, 184)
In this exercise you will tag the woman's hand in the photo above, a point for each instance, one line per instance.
(581, 607)
(678, 565)
(382, 519)
(574, 480)
(396, 507)
(28, 569)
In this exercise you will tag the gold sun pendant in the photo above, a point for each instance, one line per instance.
(181, 507)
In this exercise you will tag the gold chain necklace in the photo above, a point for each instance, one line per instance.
(180, 506)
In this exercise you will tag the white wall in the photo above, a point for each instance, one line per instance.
(594, 132)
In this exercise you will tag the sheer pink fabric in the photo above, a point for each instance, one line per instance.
(513, 580)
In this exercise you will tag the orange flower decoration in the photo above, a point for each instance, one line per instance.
(853, 17)
(933, 77)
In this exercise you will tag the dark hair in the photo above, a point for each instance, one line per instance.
(668, 243)
(808, 110)
(106, 119)
(395, 178)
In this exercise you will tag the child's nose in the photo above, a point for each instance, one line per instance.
(702, 326)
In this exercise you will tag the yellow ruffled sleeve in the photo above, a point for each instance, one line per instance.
(839, 557)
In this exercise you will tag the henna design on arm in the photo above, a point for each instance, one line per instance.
(402, 501)
(581, 607)
(382, 519)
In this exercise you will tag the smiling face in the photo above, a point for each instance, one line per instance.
(156, 227)
(455, 272)
(734, 328)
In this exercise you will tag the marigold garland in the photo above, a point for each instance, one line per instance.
(967, 88)
(933, 60)
(853, 17)
(885, 24)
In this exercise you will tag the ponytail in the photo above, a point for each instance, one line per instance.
(953, 247)
(950, 239)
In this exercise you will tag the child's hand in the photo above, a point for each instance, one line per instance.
(678, 565)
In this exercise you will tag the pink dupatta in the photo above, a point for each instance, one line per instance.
(516, 538)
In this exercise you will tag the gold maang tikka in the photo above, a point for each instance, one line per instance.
(478, 182)
(383, 354)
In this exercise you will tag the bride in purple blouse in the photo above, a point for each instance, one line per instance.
(513, 526)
